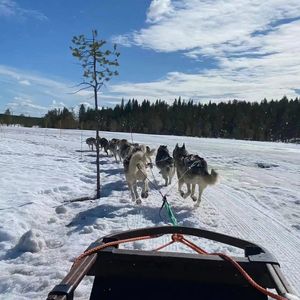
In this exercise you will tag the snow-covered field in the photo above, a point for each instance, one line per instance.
(257, 198)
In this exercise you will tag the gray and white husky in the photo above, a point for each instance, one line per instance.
(135, 168)
(91, 142)
(192, 170)
(165, 163)
(113, 147)
(124, 148)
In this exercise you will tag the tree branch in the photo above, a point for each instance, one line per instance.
(82, 89)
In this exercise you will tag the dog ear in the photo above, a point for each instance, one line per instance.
(151, 152)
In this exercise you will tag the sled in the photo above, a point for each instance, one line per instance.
(139, 274)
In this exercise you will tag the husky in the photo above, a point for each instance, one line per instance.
(103, 142)
(113, 147)
(91, 142)
(135, 168)
(165, 163)
(192, 170)
(124, 148)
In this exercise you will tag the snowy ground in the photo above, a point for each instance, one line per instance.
(256, 198)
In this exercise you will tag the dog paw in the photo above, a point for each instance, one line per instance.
(145, 195)
(138, 201)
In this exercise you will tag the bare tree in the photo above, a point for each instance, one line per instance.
(99, 66)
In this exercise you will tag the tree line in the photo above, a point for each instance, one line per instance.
(264, 121)
(8, 119)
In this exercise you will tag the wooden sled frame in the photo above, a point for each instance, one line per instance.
(166, 275)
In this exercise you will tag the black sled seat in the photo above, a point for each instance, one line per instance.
(135, 274)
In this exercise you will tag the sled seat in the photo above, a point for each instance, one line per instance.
(130, 274)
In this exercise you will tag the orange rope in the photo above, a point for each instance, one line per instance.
(110, 244)
(248, 277)
(180, 238)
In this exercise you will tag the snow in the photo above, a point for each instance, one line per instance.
(42, 232)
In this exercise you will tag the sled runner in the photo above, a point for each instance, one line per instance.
(139, 274)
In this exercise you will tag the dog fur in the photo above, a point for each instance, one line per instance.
(135, 168)
(165, 163)
(91, 142)
(113, 147)
(192, 170)
(124, 149)
(104, 144)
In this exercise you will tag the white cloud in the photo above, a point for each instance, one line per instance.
(158, 10)
(254, 44)
(25, 82)
(37, 93)
(10, 9)
(191, 24)
(211, 85)
(123, 40)
(26, 106)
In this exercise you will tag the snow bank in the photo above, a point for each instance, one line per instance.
(31, 241)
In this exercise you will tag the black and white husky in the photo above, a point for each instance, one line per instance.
(165, 163)
(91, 142)
(192, 170)
(135, 168)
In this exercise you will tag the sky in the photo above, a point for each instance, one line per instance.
(197, 49)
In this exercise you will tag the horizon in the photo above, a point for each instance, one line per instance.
(197, 50)
(75, 110)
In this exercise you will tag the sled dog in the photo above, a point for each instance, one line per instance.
(165, 163)
(113, 147)
(104, 144)
(135, 168)
(124, 148)
(192, 170)
(91, 142)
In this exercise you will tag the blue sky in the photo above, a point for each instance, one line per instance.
(200, 49)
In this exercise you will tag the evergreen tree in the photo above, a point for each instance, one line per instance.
(99, 66)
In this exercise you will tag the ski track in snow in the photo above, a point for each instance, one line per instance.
(257, 198)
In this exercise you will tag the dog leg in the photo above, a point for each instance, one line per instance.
(180, 183)
(165, 177)
(200, 193)
(131, 191)
(188, 191)
(193, 193)
(145, 191)
(137, 197)
(115, 155)
(172, 173)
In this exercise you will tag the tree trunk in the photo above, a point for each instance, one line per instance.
(97, 145)
(97, 119)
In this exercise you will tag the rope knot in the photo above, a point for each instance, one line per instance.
(176, 237)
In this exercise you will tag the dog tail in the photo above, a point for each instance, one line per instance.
(212, 177)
